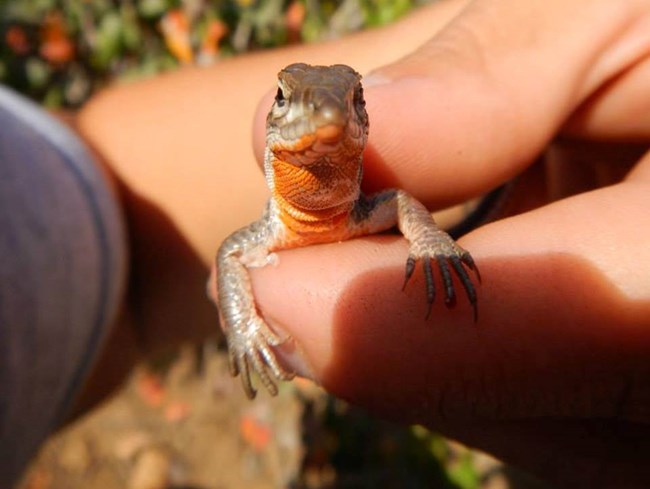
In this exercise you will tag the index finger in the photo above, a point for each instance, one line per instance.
(474, 105)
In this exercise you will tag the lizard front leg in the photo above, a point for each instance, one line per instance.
(250, 339)
(428, 242)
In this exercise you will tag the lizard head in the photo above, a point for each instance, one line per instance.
(316, 131)
(318, 111)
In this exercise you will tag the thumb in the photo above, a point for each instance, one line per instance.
(473, 106)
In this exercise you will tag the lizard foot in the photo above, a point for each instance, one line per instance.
(442, 248)
(252, 348)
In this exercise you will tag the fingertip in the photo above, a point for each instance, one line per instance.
(343, 305)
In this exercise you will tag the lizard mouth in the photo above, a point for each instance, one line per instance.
(329, 133)
(326, 140)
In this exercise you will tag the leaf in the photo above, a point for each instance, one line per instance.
(108, 42)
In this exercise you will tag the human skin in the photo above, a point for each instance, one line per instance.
(555, 376)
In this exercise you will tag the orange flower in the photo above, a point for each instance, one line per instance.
(210, 43)
(176, 32)
(177, 411)
(17, 40)
(150, 389)
(294, 17)
(255, 432)
(56, 47)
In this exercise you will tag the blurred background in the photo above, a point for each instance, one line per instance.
(181, 421)
(60, 51)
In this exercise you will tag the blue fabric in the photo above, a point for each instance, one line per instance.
(62, 271)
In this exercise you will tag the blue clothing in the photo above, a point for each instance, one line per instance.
(62, 273)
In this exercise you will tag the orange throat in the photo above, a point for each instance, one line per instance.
(315, 198)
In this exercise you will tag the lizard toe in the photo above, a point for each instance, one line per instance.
(451, 259)
(272, 363)
(466, 281)
(244, 370)
(258, 360)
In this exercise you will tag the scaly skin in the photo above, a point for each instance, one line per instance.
(316, 132)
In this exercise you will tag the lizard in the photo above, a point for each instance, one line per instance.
(316, 131)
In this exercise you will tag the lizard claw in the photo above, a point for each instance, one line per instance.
(250, 349)
(453, 256)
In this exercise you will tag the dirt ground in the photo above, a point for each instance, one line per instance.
(181, 428)
(188, 425)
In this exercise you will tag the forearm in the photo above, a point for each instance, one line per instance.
(182, 141)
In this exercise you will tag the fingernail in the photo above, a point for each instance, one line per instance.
(375, 78)
(290, 353)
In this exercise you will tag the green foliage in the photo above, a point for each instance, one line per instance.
(359, 451)
(60, 51)
(382, 12)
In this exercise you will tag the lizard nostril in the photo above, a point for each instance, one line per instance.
(327, 114)
(329, 122)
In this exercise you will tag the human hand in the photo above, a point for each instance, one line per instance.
(554, 377)
(182, 161)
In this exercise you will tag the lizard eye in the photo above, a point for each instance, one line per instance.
(358, 97)
(279, 98)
